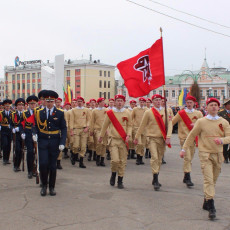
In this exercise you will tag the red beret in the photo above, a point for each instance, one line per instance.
(59, 99)
(92, 100)
(106, 106)
(67, 103)
(87, 103)
(148, 99)
(111, 99)
(212, 99)
(142, 99)
(156, 96)
(80, 98)
(74, 99)
(132, 101)
(189, 97)
(118, 96)
(100, 99)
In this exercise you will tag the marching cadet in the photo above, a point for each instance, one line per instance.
(90, 142)
(118, 120)
(213, 131)
(225, 113)
(111, 104)
(6, 127)
(137, 115)
(50, 135)
(153, 123)
(96, 122)
(79, 127)
(58, 102)
(186, 119)
(148, 103)
(87, 104)
(147, 153)
(29, 118)
(131, 152)
(1, 109)
(17, 118)
(67, 109)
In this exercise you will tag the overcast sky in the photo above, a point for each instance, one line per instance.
(112, 31)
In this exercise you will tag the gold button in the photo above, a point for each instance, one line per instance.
(49, 127)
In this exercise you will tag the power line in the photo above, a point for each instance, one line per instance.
(183, 12)
(191, 24)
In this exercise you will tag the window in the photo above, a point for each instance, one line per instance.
(18, 95)
(207, 92)
(160, 92)
(13, 97)
(166, 93)
(18, 76)
(108, 84)
(13, 86)
(33, 75)
(100, 94)
(39, 75)
(108, 95)
(68, 73)
(33, 86)
(105, 95)
(154, 92)
(100, 84)
(28, 76)
(104, 84)
(215, 93)
(100, 73)
(68, 82)
(13, 77)
(104, 73)
(23, 76)
(78, 91)
(28, 85)
(222, 92)
(78, 80)
(77, 70)
(39, 85)
(23, 85)
(173, 93)
(108, 73)
(201, 92)
(18, 86)
(78, 85)
(23, 95)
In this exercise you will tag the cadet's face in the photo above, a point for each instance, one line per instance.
(79, 103)
(162, 102)
(7, 107)
(101, 104)
(50, 104)
(212, 108)
(32, 105)
(111, 103)
(148, 103)
(67, 107)
(58, 104)
(73, 104)
(132, 105)
(227, 106)
(43, 102)
(157, 102)
(141, 103)
(20, 107)
(190, 104)
(119, 103)
(93, 104)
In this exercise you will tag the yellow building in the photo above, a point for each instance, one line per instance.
(87, 78)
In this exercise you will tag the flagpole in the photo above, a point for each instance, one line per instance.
(166, 112)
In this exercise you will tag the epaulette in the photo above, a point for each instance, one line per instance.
(221, 110)
(60, 109)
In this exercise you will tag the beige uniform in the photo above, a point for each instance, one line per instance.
(96, 122)
(91, 143)
(79, 120)
(117, 146)
(131, 144)
(137, 115)
(150, 126)
(210, 154)
(183, 132)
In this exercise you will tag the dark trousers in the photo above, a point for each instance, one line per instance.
(48, 151)
(6, 145)
(18, 150)
(30, 150)
(226, 152)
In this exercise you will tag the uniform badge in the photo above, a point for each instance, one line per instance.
(194, 118)
(221, 127)
(55, 118)
(125, 119)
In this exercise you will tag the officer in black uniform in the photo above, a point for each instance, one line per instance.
(42, 100)
(17, 119)
(225, 113)
(29, 120)
(6, 128)
(51, 134)
(1, 109)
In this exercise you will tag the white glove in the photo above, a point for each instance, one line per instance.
(61, 147)
(17, 129)
(35, 138)
(23, 136)
(13, 131)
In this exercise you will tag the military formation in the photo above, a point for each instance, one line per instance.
(40, 131)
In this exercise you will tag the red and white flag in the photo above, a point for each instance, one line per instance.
(144, 72)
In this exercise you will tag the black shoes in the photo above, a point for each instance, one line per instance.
(133, 154)
(43, 191)
(59, 164)
(98, 160)
(146, 153)
(81, 164)
(120, 182)
(72, 158)
(211, 209)
(113, 178)
(52, 192)
(155, 182)
(90, 155)
(17, 169)
(163, 161)
(205, 205)
(102, 163)
(139, 160)
(30, 175)
(187, 180)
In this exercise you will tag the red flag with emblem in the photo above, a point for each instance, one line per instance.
(144, 72)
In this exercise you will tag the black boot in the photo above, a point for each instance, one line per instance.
(133, 154)
(59, 164)
(187, 180)
(52, 180)
(98, 160)
(44, 178)
(0, 154)
(163, 161)
(81, 164)
(94, 155)
(72, 158)
(76, 157)
(141, 160)
(102, 163)
(113, 178)
(147, 153)
(211, 209)
(155, 182)
(65, 153)
(30, 175)
(90, 155)
(138, 160)
(129, 154)
(205, 205)
(120, 183)
(108, 155)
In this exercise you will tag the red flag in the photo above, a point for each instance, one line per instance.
(144, 72)
(31, 119)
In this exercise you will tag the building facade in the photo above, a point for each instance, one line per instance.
(2, 86)
(86, 78)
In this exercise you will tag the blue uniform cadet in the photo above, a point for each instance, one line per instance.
(29, 123)
(51, 133)
(17, 119)
(6, 127)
